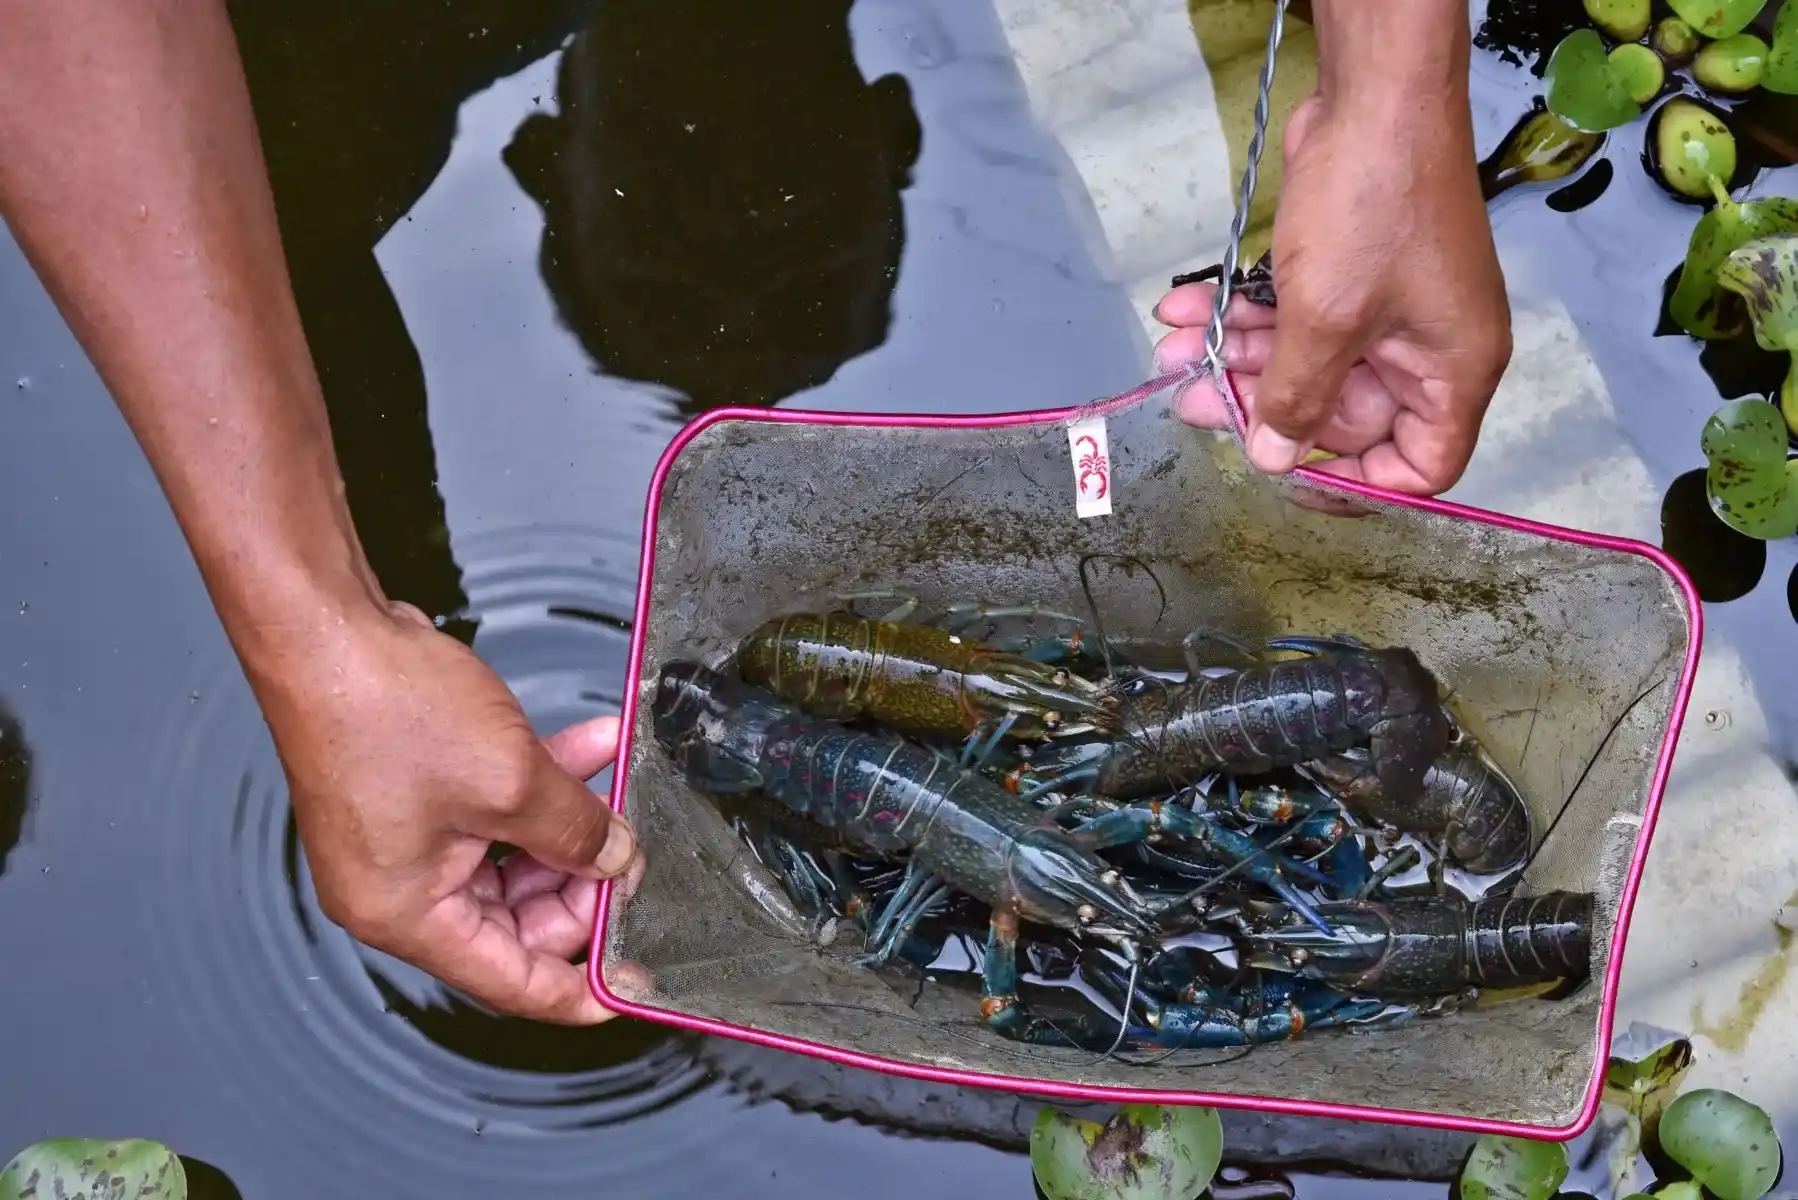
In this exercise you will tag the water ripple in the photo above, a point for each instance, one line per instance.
(339, 1033)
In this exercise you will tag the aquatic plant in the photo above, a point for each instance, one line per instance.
(1732, 65)
(1748, 478)
(1692, 145)
(1586, 88)
(1727, 1143)
(1624, 20)
(1144, 1152)
(1699, 303)
(132, 1169)
(1675, 41)
(1507, 1168)
(1540, 147)
(1640, 70)
(1717, 18)
(1643, 1075)
(1764, 272)
(1781, 74)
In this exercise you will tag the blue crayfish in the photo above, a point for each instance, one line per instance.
(884, 797)
(1342, 695)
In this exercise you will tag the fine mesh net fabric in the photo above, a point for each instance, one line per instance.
(1544, 643)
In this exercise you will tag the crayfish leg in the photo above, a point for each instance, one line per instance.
(963, 613)
(1189, 648)
(907, 606)
(1334, 643)
(918, 894)
(976, 753)
(1062, 782)
(1006, 1015)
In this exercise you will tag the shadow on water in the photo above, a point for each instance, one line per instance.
(16, 796)
(779, 265)
(207, 1182)
(721, 191)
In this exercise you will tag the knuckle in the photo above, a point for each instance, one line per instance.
(1442, 477)
(1333, 319)
(510, 784)
(368, 915)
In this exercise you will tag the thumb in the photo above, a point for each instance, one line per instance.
(1305, 373)
(562, 824)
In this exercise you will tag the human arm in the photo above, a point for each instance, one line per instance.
(132, 177)
(1392, 327)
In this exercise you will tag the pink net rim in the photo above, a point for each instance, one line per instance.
(1102, 1093)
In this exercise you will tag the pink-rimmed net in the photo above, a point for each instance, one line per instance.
(1577, 647)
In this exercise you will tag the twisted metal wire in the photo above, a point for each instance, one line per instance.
(1239, 222)
(1214, 334)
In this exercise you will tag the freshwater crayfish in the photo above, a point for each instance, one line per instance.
(1046, 806)
(918, 678)
(883, 796)
(1271, 715)
(1438, 945)
(1465, 799)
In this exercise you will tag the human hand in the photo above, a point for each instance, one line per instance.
(1392, 328)
(407, 758)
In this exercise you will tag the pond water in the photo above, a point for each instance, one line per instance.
(794, 206)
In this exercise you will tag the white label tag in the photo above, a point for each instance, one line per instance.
(1090, 453)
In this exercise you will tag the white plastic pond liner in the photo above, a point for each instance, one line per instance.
(1705, 956)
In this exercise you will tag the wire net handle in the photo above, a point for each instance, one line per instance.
(1239, 222)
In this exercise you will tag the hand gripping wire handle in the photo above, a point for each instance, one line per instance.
(1214, 333)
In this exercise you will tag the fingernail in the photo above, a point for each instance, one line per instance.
(1273, 451)
(1156, 311)
(620, 848)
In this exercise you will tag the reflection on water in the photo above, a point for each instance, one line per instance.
(207, 1182)
(356, 104)
(721, 194)
(1724, 564)
(15, 782)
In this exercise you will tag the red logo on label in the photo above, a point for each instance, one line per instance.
(1092, 466)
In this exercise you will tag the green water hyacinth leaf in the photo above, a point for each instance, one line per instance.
(1585, 88)
(1698, 299)
(133, 1169)
(1673, 1191)
(1752, 487)
(1624, 20)
(1503, 1168)
(1144, 1152)
(1764, 273)
(1726, 1143)
(1717, 18)
(1642, 1085)
(1781, 71)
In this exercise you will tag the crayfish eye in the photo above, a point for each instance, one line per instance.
(1051, 720)
(1110, 879)
(1087, 913)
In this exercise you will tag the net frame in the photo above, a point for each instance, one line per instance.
(1305, 485)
